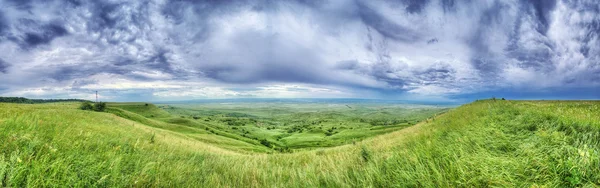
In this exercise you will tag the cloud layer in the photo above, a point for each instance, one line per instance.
(407, 49)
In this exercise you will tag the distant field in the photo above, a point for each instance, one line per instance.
(483, 144)
(297, 125)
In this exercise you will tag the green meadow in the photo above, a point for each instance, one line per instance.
(487, 143)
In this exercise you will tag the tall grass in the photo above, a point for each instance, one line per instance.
(483, 144)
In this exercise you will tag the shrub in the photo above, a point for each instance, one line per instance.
(86, 106)
(100, 107)
(365, 154)
(265, 142)
(284, 149)
(152, 138)
(320, 152)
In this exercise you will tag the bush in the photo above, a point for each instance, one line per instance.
(152, 140)
(100, 107)
(265, 142)
(365, 154)
(284, 150)
(86, 106)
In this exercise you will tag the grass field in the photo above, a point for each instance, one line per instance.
(483, 144)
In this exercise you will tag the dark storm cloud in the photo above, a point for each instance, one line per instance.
(415, 6)
(70, 72)
(535, 58)
(3, 66)
(542, 10)
(3, 25)
(80, 83)
(385, 26)
(484, 59)
(121, 66)
(590, 28)
(119, 22)
(438, 73)
(175, 10)
(20, 4)
(159, 61)
(31, 33)
(400, 75)
(448, 5)
(532, 13)
(44, 35)
(381, 71)
(106, 15)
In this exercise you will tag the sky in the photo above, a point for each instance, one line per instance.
(426, 50)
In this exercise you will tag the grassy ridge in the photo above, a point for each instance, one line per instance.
(191, 129)
(486, 143)
(149, 114)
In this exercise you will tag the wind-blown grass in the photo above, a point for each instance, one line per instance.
(483, 144)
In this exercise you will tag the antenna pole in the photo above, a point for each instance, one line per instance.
(96, 96)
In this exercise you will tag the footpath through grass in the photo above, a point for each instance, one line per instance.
(483, 144)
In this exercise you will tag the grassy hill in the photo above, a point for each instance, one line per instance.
(482, 144)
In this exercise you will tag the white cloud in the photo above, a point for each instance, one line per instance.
(177, 49)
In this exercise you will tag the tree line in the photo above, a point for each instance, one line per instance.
(35, 101)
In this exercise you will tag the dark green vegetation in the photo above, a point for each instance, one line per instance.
(35, 101)
(484, 144)
(98, 107)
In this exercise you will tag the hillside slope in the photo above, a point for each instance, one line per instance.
(486, 143)
(149, 114)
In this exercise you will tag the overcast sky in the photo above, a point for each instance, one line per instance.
(438, 50)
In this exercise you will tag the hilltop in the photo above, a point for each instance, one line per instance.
(482, 144)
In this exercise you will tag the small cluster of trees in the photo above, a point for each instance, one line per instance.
(98, 107)
(269, 144)
(297, 128)
(330, 131)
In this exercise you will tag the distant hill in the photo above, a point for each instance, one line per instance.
(23, 100)
(310, 100)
